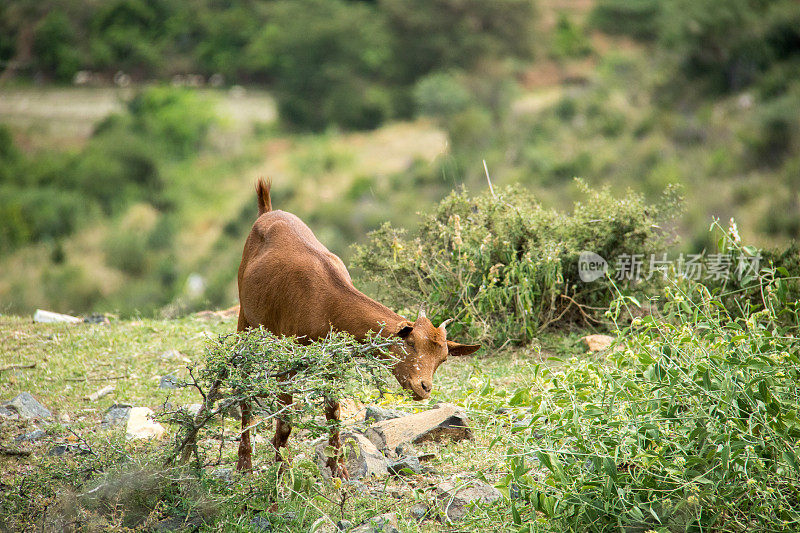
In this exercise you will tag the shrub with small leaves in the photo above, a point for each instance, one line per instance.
(505, 267)
(690, 424)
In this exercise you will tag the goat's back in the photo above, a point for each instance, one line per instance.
(287, 278)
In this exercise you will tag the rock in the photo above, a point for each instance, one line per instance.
(420, 511)
(363, 458)
(261, 524)
(595, 343)
(409, 462)
(178, 523)
(48, 317)
(33, 436)
(60, 449)
(222, 474)
(455, 496)
(105, 391)
(7, 413)
(168, 382)
(519, 425)
(96, 318)
(116, 415)
(26, 406)
(351, 410)
(142, 426)
(193, 408)
(385, 523)
(344, 525)
(379, 414)
(443, 421)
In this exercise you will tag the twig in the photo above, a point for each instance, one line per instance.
(82, 441)
(486, 169)
(14, 367)
(580, 308)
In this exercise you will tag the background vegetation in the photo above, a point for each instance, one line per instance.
(628, 95)
(434, 145)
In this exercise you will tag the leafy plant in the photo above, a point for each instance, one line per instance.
(689, 424)
(503, 266)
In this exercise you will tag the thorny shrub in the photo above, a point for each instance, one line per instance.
(506, 266)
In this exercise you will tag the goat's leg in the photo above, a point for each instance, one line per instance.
(245, 461)
(336, 463)
(282, 428)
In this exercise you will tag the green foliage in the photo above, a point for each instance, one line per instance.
(504, 267)
(569, 40)
(691, 424)
(441, 34)
(636, 18)
(54, 46)
(179, 118)
(328, 58)
(256, 364)
(440, 95)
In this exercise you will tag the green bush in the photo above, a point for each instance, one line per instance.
(504, 267)
(569, 40)
(55, 46)
(690, 424)
(328, 59)
(635, 18)
(440, 94)
(441, 34)
(180, 118)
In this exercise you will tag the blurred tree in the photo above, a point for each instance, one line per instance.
(719, 41)
(441, 34)
(328, 58)
(131, 35)
(635, 18)
(54, 45)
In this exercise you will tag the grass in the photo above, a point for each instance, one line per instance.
(73, 361)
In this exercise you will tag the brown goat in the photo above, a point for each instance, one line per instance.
(292, 285)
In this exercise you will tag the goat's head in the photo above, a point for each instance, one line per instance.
(424, 348)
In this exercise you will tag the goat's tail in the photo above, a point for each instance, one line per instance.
(262, 191)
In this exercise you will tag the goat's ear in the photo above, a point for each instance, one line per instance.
(405, 328)
(456, 349)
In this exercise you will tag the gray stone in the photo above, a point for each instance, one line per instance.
(385, 523)
(407, 462)
(33, 436)
(261, 524)
(222, 474)
(178, 523)
(96, 318)
(379, 414)
(420, 511)
(444, 421)
(193, 408)
(344, 525)
(455, 496)
(60, 449)
(8, 413)
(116, 415)
(519, 425)
(168, 382)
(26, 406)
(363, 459)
